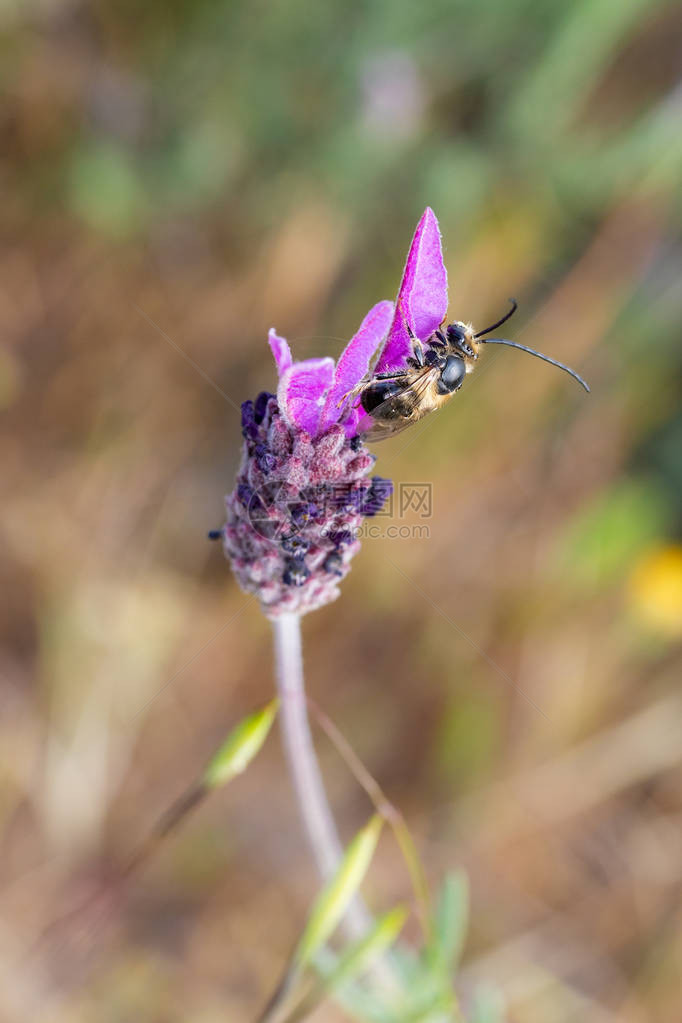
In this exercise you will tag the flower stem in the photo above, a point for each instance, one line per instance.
(305, 771)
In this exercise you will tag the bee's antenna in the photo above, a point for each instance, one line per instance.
(514, 307)
(539, 355)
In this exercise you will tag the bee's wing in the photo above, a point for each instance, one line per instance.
(386, 428)
(410, 399)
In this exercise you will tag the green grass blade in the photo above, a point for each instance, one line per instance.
(334, 898)
(240, 747)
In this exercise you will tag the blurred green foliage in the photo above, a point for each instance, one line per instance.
(446, 103)
(606, 537)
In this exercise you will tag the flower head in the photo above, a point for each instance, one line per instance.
(302, 490)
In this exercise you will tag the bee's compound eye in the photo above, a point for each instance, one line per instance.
(452, 374)
(455, 333)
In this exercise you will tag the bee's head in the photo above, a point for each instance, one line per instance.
(460, 337)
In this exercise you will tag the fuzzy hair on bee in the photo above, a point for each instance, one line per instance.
(433, 373)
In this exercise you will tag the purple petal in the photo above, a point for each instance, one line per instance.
(423, 295)
(357, 421)
(281, 351)
(301, 393)
(355, 359)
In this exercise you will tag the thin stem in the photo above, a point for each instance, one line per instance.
(305, 771)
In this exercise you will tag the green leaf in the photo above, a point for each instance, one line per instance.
(240, 747)
(340, 972)
(334, 898)
(362, 953)
(451, 918)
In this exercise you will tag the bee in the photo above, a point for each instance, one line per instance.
(435, 371)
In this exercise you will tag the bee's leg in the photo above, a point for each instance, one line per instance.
(353, 393)
(359, 387)
(392, 375)
(417, 360)
(439, 338)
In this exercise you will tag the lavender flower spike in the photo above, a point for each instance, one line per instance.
(301, 492)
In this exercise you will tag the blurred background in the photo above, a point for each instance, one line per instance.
(178, 177)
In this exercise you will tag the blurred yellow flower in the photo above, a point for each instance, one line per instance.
(655, 589)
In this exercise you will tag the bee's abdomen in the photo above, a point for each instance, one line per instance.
(379, 391)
